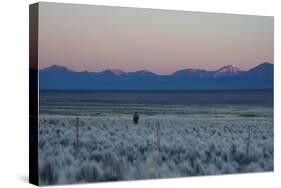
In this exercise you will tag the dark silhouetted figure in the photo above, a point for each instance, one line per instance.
(136, 118)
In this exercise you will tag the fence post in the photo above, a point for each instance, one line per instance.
(77, 133)
(248, 140)
(158, 135)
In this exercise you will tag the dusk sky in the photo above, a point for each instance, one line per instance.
(95, 38)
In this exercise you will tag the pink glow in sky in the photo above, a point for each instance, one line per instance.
(95, 38)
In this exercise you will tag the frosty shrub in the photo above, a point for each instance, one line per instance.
(113, 148)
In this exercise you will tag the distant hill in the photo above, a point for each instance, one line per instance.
(227, 77)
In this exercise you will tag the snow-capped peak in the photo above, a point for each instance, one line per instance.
(228, 70)
(117, 71)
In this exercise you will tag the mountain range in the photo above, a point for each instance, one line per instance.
(228, 77)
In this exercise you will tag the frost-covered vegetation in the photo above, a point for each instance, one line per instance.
(113, 148)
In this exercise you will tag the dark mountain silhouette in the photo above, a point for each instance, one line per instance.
(226, 78)
(264, 70)
(192, 73)
(115, 72)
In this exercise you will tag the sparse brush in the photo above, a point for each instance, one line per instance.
(190, 146)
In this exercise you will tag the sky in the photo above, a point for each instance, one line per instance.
(95, 38)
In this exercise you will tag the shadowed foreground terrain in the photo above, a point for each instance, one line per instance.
(113, 148)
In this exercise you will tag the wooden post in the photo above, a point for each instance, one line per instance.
(158, 135)
(248, 140)
(77, 133)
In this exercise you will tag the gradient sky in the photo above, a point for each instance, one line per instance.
(95, 38)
